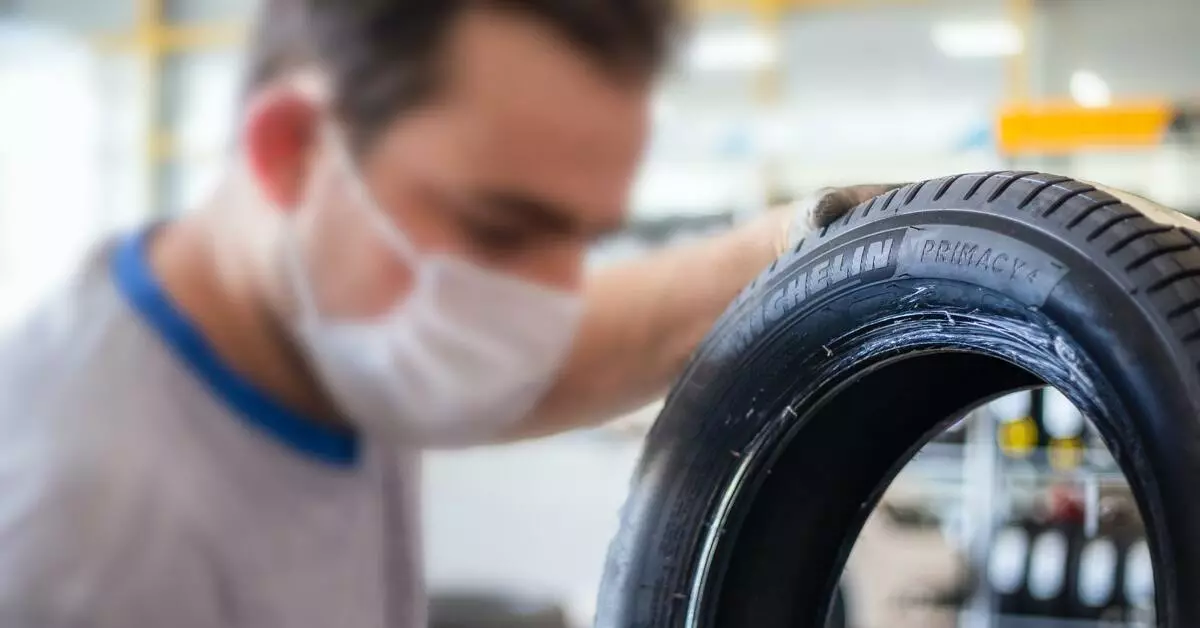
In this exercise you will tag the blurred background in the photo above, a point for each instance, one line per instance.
(116, 112)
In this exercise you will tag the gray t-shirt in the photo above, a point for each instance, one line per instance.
(143, 483)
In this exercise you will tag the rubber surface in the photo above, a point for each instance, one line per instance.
(839, 362)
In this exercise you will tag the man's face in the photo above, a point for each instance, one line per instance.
(524, 158)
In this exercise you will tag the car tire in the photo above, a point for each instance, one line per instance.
(839, 362)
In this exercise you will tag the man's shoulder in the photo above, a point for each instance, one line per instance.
(73, 375)
(73, 347)
(81, 484)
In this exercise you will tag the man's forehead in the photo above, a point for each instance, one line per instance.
(521, 68)
(532, 114)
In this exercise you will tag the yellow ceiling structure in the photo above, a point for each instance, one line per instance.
(152, 32)
(153, 38)
(779, 6)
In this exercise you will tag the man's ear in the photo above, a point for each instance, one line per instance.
(280, 138)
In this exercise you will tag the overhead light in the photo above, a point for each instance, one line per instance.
(1060, 417)
(992, 38)
(1089, 90)
(748, 50)
(1012, 408)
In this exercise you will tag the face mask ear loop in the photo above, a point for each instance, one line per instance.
(302, 288)
(366, 201)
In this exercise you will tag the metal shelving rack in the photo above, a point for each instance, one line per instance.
(977, 480)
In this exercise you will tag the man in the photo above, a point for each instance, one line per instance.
(217, 422)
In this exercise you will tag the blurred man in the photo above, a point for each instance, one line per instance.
(217, 423)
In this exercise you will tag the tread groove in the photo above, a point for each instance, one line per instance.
(1174, 261)
(1172, 279)
(1134, 237)
(979, 184)
(1155, 254)
(1112, 222)
(874, 202)
(1066, 197)
(1191, 235)
(1003, 187)
(849, 215)
(946, 185)
(890, 197)
(1091, 210)
(1042, 187)
(1184, 309)
(912, 194)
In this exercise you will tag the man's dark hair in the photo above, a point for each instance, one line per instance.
(383, 55)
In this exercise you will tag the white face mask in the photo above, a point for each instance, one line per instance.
(468, 353)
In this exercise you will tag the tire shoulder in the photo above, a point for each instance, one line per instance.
(1151, 249)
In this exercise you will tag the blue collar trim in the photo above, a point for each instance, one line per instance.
(136, 281)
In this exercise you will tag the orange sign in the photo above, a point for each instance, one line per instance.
(1066, 128)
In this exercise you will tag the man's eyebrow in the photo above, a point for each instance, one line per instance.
(545, 215)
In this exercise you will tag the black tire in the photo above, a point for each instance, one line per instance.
(837, 610)
(842, 359)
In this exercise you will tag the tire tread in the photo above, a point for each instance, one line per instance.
(1132, 240)
(1159, 264)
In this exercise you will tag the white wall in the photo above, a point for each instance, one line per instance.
(50, 177)
(533, 519)
(1142, 48)
(865, 95)
(201, 106)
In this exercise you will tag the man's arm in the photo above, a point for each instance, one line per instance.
(643, 320)
(646, 317)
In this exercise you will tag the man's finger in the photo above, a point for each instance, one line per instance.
(839, 201)
(824, 207)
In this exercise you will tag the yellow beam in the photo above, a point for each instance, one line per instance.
(147, 34)
(162, 147)
(1018, 74)
(171, 39)
(770, 9)
(729, 6)
(229, 34)
(152, 39)
(148, 13)
(769, 14)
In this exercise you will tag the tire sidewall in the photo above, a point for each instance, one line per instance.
(1031, 277)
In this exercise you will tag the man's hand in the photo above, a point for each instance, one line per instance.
(822, 208)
